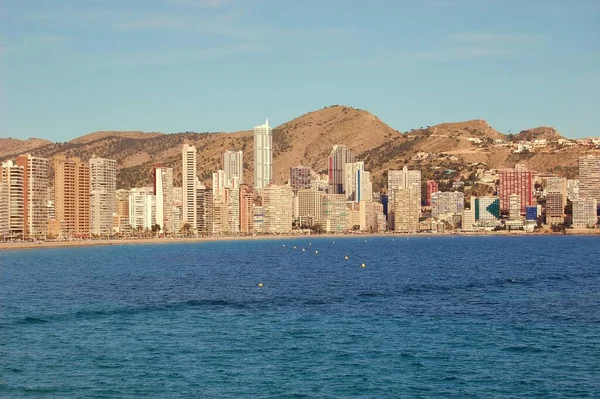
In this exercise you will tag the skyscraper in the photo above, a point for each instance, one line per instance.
(263, 156)
(142, 208)
(103, 187)
(233, 166)
(4, 207)
(589, 177)
(12, 176)
(358, 182)
(407, 208)
(35, 194)
(404, 179)
(163, 189)
(205, 210)
(516, 181)
(72, 196)
(189, 179)
(585, 212)
(336, 165)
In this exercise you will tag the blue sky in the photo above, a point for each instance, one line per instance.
(70, 67)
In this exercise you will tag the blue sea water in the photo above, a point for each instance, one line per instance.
(427, 317)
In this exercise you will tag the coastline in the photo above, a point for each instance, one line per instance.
(9, 246)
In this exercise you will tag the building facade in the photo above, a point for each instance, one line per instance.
(103, 187)
(233, 168)
(163, 190)
(263, 156)
(585, 212)
(189, 185)
(589, 177)
(336, 166)
(301, 178)
(446, 204)
(35, 194)
(432, 187)
(71, 196)
(516, 181)
(278, 209)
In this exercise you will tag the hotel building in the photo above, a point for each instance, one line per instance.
(103, 187)
(189, 185)
(263, 156)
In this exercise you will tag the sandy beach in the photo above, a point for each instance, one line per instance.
(23, 245)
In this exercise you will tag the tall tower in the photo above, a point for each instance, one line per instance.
(189, 185)
(263, 156)
(404, 180)
(589, 177)
(103, 200)
(233, 166)
(35, 194)
(336, 164)
(72, 196)
(163, 189)
(12, 181)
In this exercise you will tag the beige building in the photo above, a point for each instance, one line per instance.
(12, 177)
(514, 207)
(71, 197)
(189, 184)
(555, 211)
(35, 194)
(585, 212)
(278, 209)
(309, 206)
(103, 202)
(221, 213)
(589, 177)
(233, 167)
(334, 213)
(407, 209)
(163, 189)
(403, 179)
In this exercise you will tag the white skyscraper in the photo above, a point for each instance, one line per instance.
(189, 184)
(163, 189)
(263, 155)
(233, 166)
(103, 200)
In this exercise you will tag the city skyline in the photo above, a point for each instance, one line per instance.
(517, 65)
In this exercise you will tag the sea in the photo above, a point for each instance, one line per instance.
(335, 317)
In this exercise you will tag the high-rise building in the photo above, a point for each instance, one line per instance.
(334, 213)
(103, 187)
(404, 179)
(278, 209)
(72, 196)
(142, 208)
(123, 210)
(221, 213)
(589, 177)
(189, 185)
(446, 204)
(336, 165)
(233, 209)
(218, 183)
(263, 156)
(358, 183)
(432, 187)
(205, 210)
(585, 212)
(163, 189)
(301, 178)
(407, 208)
(12, 176)
(246, 209)
(35, 194)
(233, 166)
(309, 206)
(516, 181)
(554, 208)
(557, 185)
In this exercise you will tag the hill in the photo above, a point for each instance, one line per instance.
(539, 133)
(444, 151)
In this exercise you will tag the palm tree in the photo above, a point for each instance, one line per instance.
(186, 229)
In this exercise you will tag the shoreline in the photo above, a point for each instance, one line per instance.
(9, 246)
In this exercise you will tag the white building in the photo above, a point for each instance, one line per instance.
(585, 212)
(163, 183)
(403, 179)
(278, 209)
(12, 177)
(263, 156)
(189, 185)
(103, 200)
(142, 208)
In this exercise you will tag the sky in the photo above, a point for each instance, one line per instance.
(71, 67)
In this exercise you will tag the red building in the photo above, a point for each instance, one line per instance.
(516, 181)
(432, 187)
